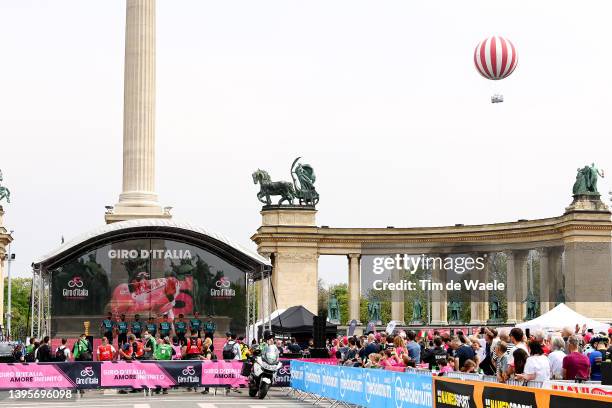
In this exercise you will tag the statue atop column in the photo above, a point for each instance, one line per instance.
(455, 312)
(374, 312)
(333, 311)
(417, 312)
(4, 192)
(302, 188)
(494, 310)
(586, 180)
(305, 192)
(586, 195)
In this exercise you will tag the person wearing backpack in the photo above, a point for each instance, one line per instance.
(30, 354)
(82, 349)
(62, 353)
(231, 349)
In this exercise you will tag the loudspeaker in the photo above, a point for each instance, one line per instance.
(319, 324)
(606, 373)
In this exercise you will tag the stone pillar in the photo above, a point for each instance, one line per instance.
(588, 280)
(354, 286)
(295, 264)
(138, 198)
(516, 274)
(397, 299)
(479, 309)
(438, 297)
(545, 280)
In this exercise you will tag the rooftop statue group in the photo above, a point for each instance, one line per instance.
(586, 180)
(302, 188)
(4, 192)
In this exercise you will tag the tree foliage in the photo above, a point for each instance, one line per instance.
(20, 291)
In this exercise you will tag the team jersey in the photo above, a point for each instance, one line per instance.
(180, 327)
(164, 329)
(195, 324)
(152, 328)
(210, 327)
(122, 327)
(136, 327)
(107, 324)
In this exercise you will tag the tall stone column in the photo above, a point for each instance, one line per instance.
(138, 198)
(438, 297)
(478, 300)
(545, 280)
(354, 286)
(516, 274)
(397, 299)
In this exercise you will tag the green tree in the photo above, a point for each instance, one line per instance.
(20, 292)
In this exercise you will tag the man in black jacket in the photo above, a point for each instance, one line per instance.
(436, 354)
(43, 354)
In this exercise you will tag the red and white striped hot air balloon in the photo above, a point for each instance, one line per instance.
(495, 58)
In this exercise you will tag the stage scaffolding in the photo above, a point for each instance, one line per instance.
(40, 324)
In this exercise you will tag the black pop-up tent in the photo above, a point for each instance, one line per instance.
(297, 320)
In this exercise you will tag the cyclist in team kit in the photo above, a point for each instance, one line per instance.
(180, 328)
(152, 326)
(122, 330)
(195, 324)
(107, 326)
(136, 326)
(165, 326)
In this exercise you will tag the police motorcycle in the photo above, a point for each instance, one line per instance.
(264, 363)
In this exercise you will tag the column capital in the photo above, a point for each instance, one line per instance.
(353, 256)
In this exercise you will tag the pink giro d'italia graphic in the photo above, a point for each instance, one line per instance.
(495, 58)
(20, 376)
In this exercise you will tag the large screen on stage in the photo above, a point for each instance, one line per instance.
(149, 277)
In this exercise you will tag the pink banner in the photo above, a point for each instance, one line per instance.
(134, 374)
(32, 376)
(222, 373)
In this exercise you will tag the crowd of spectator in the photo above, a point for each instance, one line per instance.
(508, 354)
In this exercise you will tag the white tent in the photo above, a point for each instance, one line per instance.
(562, 316)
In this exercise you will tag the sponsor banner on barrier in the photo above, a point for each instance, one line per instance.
(595, 389)
(458, 393)
(454, 395)
(183, 373)
(495, 397)
(23, 376)
(222, 373)
(283, 376)
(561, 401)
(365, 387)
(82, 374)
(134, 374)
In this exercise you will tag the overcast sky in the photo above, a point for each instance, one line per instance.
(381, 97)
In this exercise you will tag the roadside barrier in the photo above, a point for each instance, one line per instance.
(418, 388)
(122, 374)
